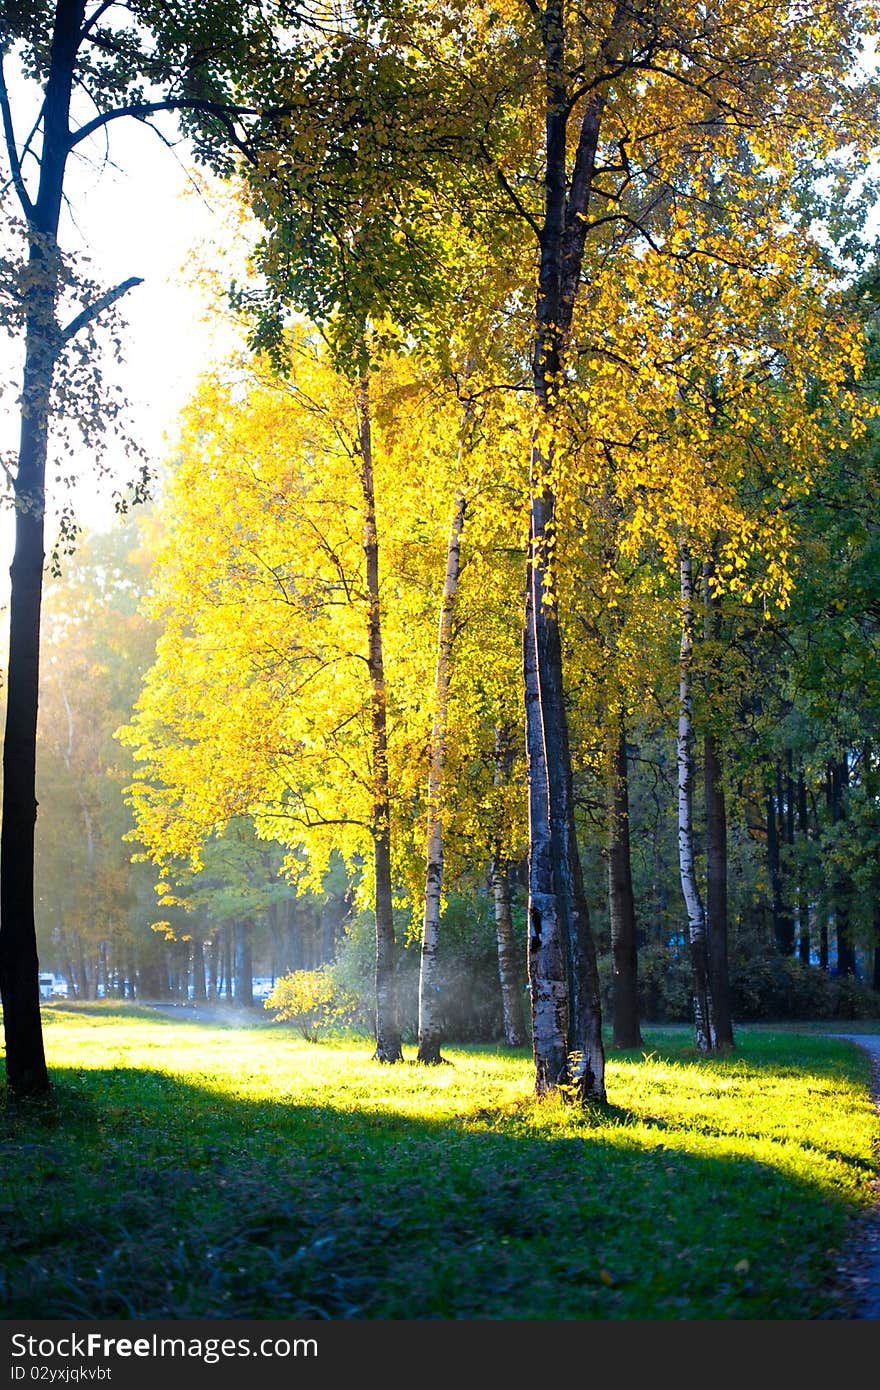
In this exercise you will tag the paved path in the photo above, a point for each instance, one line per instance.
(857, 1293)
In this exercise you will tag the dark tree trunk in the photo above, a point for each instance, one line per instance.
(388, 1048)
(149, 986)
(228, 965)
(716, 891)
(198, 970)
(716, 843)
(803, 898)
(823, 938)
(243, 988)
(784, 827)
(704, 1013)
(842, 884)
(558, 916)
(548, 978)
(26, 1071)
(19, 965)
(430, 1015)
(774, 873)
(621, 901)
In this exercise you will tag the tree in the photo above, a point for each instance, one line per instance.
(131, 60)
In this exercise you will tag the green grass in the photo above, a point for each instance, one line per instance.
(187, 1171)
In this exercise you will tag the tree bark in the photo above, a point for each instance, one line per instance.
(716, 849)
(548, 979)
(621, 901)
(430, 1023)
(704, 1020)
(803, 898)
(842, 884)
(566, 1009)
(198, 969)
(26, 1071)
(243, 987)
(513, 1013)
(388, 1046)
(716, 892)
(784, 827)
(774, 872)
(508, 957)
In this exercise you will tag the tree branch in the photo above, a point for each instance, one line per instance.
(11, 148)
(142, 109)
(514, 197)
(93, 19)
(91, 312)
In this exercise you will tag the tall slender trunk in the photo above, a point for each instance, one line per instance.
(716, 847)
(26, 1071)
(243, 986)
(704, 1021)
(388, 1048)
(716, 891)
(568, 1008)
(784, 826)
(621, 901)
(508, 956)
(774, 872)
(198, 969)
(430, 1023)
(842, 883)
(548, 975)
(228, 964)
(803, 897)
(19, 965)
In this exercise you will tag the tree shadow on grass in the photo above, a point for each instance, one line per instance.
(135, 1194)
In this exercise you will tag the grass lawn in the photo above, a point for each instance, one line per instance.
(191, 1171)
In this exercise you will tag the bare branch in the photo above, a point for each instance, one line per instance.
(514, 197)
(91, 312)
(93, 19)
(12, 148)
(141, 110)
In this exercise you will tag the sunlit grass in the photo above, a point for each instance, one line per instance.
(192, 1171)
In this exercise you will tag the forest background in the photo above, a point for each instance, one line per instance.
(714, 480)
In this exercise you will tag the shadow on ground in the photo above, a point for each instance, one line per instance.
(137, 1195)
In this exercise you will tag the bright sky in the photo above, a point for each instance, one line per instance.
(132, 217)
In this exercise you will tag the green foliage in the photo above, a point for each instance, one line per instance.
(467, 974)
(312, 1001)
(765, 986)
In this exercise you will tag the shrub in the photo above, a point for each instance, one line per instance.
(467, 971)
(664, 985)
(311, 1000)
(764, 986)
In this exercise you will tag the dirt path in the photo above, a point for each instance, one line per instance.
(856, 1293)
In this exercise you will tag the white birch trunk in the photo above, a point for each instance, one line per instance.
(430, 1020)
(508, 971)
